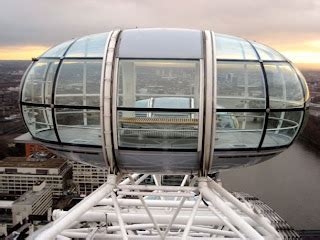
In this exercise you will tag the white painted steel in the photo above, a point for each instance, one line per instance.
(208, 104)
(106, 108)
(127, 180)
(232, 216)
(102, 89)
(214, 98)
(114, 104)
(174, 216)
(263, 221)
(118, 236)
(201, 105)
(144, 218)
(160, 194)
(191, 219)
(110, 229)
(140, 217)
(158, 188)
(152, 203)
(226, 222)
(149, 214)
(74, 213)
(118, 213)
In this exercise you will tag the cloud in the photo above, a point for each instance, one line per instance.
(38, 22)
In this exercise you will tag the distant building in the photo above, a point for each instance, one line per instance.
(18, 175)
(36, 148)
(15, 215)
(34, 202)
(87, 178)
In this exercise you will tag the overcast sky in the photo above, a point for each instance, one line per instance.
(287, 25)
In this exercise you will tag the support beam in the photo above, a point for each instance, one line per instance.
(232, 216)
(77, 211)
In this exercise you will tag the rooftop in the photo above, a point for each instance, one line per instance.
(20, 162)
(30, 197)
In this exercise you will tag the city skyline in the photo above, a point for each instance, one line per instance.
(32, 26)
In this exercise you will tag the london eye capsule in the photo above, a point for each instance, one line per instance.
(163, 101)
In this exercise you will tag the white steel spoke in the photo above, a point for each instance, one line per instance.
(160, 212)
(120, 220)
(193, 214)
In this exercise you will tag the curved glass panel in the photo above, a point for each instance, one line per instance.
(304, 85)
(79, 126)
(282, 128)
(78, 83)
(162, 130)
(166, 83)
(267, 53)
(285, 90)
(39, 122)
(238, 129)
(172, 102)
(89, 46)
(229, 47)
(240, 85)
(57, 51)
(158, 84)
(38, 83)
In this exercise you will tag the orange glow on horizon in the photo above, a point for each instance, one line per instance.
(302, 56)
(306, 53)
(21, 52)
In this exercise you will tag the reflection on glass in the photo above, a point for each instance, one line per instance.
(229, 47)
(38, 83)
(79, 126)
(89, 46)
(240, 85)
(78, 83)
(267, 53)
(166, 102)
(285, 90)
(159, 84)
(238, 130)
(282, 128)
(159, 80)
(165, 130)
(304, 85)
(58, 50)
(39, 122)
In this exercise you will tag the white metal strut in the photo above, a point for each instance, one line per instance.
(130, 210)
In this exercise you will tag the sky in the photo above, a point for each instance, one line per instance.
(29, 27)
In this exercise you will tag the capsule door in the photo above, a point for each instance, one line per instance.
(157, 125)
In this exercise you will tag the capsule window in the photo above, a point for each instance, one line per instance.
(229, 47)
(58, 50)
(88, 46)
(38, 83)
(240, 85)
(78, 83)
(285, 88)
(238, 129)
(79, 126)
(147, 90)
(267, 53)
(39, 122)
(282, 128)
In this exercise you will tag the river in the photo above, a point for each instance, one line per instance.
(289, 183)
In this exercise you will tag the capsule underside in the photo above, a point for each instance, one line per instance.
(164, 101)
